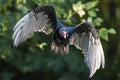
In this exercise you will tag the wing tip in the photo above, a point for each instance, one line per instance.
(91, 75)
(92, 72)
(15, 43)
(100, 58)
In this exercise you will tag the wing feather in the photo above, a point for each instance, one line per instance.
(42, 19)
(86, 38)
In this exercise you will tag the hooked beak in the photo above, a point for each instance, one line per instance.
(65, 36)
(64, 33)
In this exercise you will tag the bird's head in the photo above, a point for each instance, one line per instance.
(64, 34)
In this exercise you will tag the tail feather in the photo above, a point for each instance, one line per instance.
(59, 48)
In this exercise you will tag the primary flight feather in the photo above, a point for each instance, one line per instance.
(84, 36)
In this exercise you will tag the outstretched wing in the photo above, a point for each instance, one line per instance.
(86, 38)
(42, 19)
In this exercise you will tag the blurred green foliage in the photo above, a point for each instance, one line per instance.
(34, 60)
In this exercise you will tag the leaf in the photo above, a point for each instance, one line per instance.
(89, 19)
(92, 13)
(25, 10)
(97, 21)
(103, 33)
(112, 31)
(81, 13)
(79, 8)
(19, 1)
(90, 5)
(3, 56)
(41, 45)
(96, 9)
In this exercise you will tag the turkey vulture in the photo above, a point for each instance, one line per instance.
(84, 36)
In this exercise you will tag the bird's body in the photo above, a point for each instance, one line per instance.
(60, 44)
(84, 36)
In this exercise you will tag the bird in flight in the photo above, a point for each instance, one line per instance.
(84, 35)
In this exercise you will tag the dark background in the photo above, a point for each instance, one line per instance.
(33, 59)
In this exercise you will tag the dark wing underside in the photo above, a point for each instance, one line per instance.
(86, 38)
(42, 19)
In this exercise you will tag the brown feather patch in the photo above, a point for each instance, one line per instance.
(62, 49)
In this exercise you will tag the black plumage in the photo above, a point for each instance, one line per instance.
(84, 36)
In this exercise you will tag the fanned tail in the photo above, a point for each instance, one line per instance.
(59, 48)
